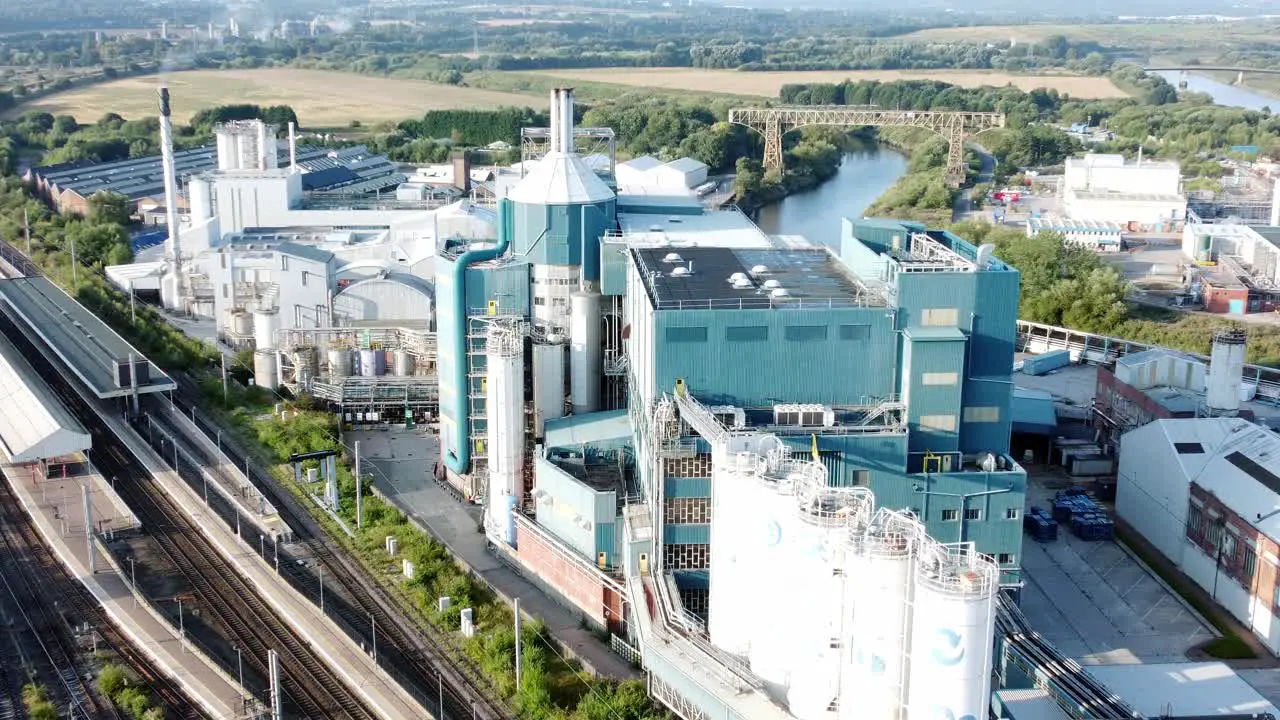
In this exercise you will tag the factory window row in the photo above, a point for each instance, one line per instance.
(940, 378)
(987, 414)
(686, 557)
(950, 515)
(972, 514)
(555, 301)
(795, 333)
(805, 333)
(686, 334)
(1005, 558)
(1011, 513)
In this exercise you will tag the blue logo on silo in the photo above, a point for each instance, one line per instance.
(947, 649)
(947, 714)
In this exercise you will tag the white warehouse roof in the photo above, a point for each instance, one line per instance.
(644, 163)
(687, 165)
(1235, 460)
(35, 425)
(1191, 689)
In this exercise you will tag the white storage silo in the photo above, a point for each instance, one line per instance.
(200, 199)
(548, 384)
(241, 323)
(879, 582)
(373, 363)
(402, 363)
(339, 362)
(952, 631)
(1226, 372)
(265, 325)
(737, 498)
(504, 405)
(266, 369)
(586, 351)
(306, 365)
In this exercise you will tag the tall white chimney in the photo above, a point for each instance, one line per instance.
(1275, 203)
(1226, 372)
(566, 120)
(263, 139)
(173, 251)
(293, 147)
(554, 130)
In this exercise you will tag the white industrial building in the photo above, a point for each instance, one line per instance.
(1106, 188)
(1098, 235)
(1254, 249)
(648, 176)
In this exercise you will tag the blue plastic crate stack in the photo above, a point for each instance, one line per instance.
(1088, 521)
(1040, 525)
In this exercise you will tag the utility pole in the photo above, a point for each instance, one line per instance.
(133, 580)
(373, 622)
(518, 668)
(88, 530)
(224, 390)
(74, 275)
(133, 313)
(321, 589)
(26, 230)
(277, 694)
(359, 491)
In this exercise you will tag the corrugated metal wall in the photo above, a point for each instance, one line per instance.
(933, 357)
(675, 487)
(760, 373)
(506, 285)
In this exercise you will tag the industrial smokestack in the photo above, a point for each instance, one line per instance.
(174, 250)
(566, 120)
(1226, 372)
(555, 121)
(293, 147)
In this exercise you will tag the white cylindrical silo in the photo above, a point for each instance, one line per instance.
(586, 351)
(402, 363)
(306, 365)
(373, 363)
(952, 631)
(265, 325)
(200, 199)
(736, 500)
(339, 362)
(1226, 372)
(241, 323)
(504, 406)
(266, 369)
(548, 384)
(878, 590)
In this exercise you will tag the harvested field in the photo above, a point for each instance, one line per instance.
(767, 84)
(321, 98)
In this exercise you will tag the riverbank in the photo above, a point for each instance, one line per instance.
(921, 193)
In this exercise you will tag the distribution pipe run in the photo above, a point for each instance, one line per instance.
(461, 460)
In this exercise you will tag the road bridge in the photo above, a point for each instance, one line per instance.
(1239, 71)
(955, 126)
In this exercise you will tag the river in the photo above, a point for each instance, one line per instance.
(1222, 93)
(863, 176)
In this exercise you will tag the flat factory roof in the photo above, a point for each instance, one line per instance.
(723, 228)
(1191, 689)
(88, 347)
(809, 277)
(1054, 223)
(1127, 197)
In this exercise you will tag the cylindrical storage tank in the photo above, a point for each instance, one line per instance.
(952, 631)
(1226, 371)
(373, 363)
(241, 323)
(339, 362)
(266, 369)
(265, 325)
(586, 351)
(504, 409)
(737, 500)
(200, 199)
(306, 364)
(226, 151)
(402, 363)
(878, 585)
(548, 384)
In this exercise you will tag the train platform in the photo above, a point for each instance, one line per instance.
(218, 471)
(353, 663)
(58, 510)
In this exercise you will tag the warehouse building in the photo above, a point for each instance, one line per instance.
(648, 176)
(1205, 493)
(1237, 267)
(1144, 196)
(1098, 235)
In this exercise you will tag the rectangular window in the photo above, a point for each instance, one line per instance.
(972, 514)
(939, 317)
(1229, 546)
(1195, 521)
(686, 334)
(1213, 531)
(950, 515)
(539, 301)
(284, 262)
(224, 290)
(945, 423)
(988, 414)
(1011, 514)
(855, 332)
(304, 278)
(806, 333)
(936, 378)
(1005, 558)
(746, 333)
(861, 478)
(1250, 564)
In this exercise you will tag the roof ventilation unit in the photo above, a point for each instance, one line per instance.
(729, 416)
(759, 270)
(803, 415)
(771, 284)
(742, 284)
(779, 294)
(734, 278)
(672, 258)
(681, 272)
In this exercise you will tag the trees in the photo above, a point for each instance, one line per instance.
(109, 207)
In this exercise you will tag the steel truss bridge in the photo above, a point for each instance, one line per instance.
(956, 127)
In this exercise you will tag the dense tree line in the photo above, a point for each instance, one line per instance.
(473, 127)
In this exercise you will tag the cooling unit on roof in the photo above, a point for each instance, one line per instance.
(759, 270)
(681, 272)
(803, 415)
(772, 284)
(736, 277)
(779, 293)
(672, 258)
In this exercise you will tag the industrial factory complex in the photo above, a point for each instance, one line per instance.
(789, 480)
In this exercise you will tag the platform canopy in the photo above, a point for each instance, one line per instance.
(103, 360)
(34, 424)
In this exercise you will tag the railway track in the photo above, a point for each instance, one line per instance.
(423, 657)
(37, 591)
(312, 689)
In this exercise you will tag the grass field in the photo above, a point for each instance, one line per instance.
(767, 84)
(321, 98)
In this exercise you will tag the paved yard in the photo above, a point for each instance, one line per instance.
(1099, 605)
